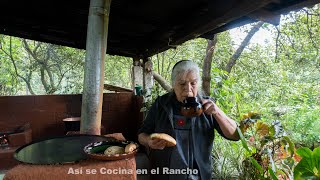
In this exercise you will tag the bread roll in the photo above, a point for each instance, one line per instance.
(170, 140)
(130, 148)
(112, 150)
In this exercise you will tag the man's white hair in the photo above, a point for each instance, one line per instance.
(182, 67)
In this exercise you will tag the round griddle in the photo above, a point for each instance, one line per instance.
(58, 150)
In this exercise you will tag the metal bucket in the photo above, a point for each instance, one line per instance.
(72, 124)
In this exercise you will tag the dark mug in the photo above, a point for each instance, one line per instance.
(191, 107)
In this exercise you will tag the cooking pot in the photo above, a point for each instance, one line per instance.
(72, 124)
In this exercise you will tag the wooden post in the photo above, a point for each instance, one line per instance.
(137, 77)
(96, 46)
(147, 79)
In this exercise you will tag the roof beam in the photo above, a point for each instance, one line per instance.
(274, 17)
(266, 16)
(305, 3)
(241, 9)
(247, 19)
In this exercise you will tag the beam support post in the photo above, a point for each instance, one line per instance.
(147, 79)
(137, 73)
(92, 97)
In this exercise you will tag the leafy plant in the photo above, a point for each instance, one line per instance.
(270, 153)
(309, 166)
(227, 157)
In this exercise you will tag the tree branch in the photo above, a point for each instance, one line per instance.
(206, 68)
(48, 70)
(245, 42)
(310, 32)
(27, 81)
(277, 44)
(43, 80)
(163, 83)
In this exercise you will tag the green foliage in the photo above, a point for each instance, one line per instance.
(303, 124)
(40, 68)
(270, 151)
(9, 84)
(73, 66)
(226, 163)
(118, 71)
(282, 84)
(309, 166)
(277, 83)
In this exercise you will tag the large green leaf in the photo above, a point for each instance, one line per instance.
(256, 165)
(308, 167)
(304, 152)
(243, 140)
(262, 128)
(291, 145)
(316, 157)
(273, 175)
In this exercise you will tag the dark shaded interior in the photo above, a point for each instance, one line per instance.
(137, 28)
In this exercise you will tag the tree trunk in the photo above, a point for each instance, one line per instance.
(244, 43)
(26, 80)
(206, 69)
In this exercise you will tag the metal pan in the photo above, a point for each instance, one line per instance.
(57, 150)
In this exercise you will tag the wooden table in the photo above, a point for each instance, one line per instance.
(86, 169)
